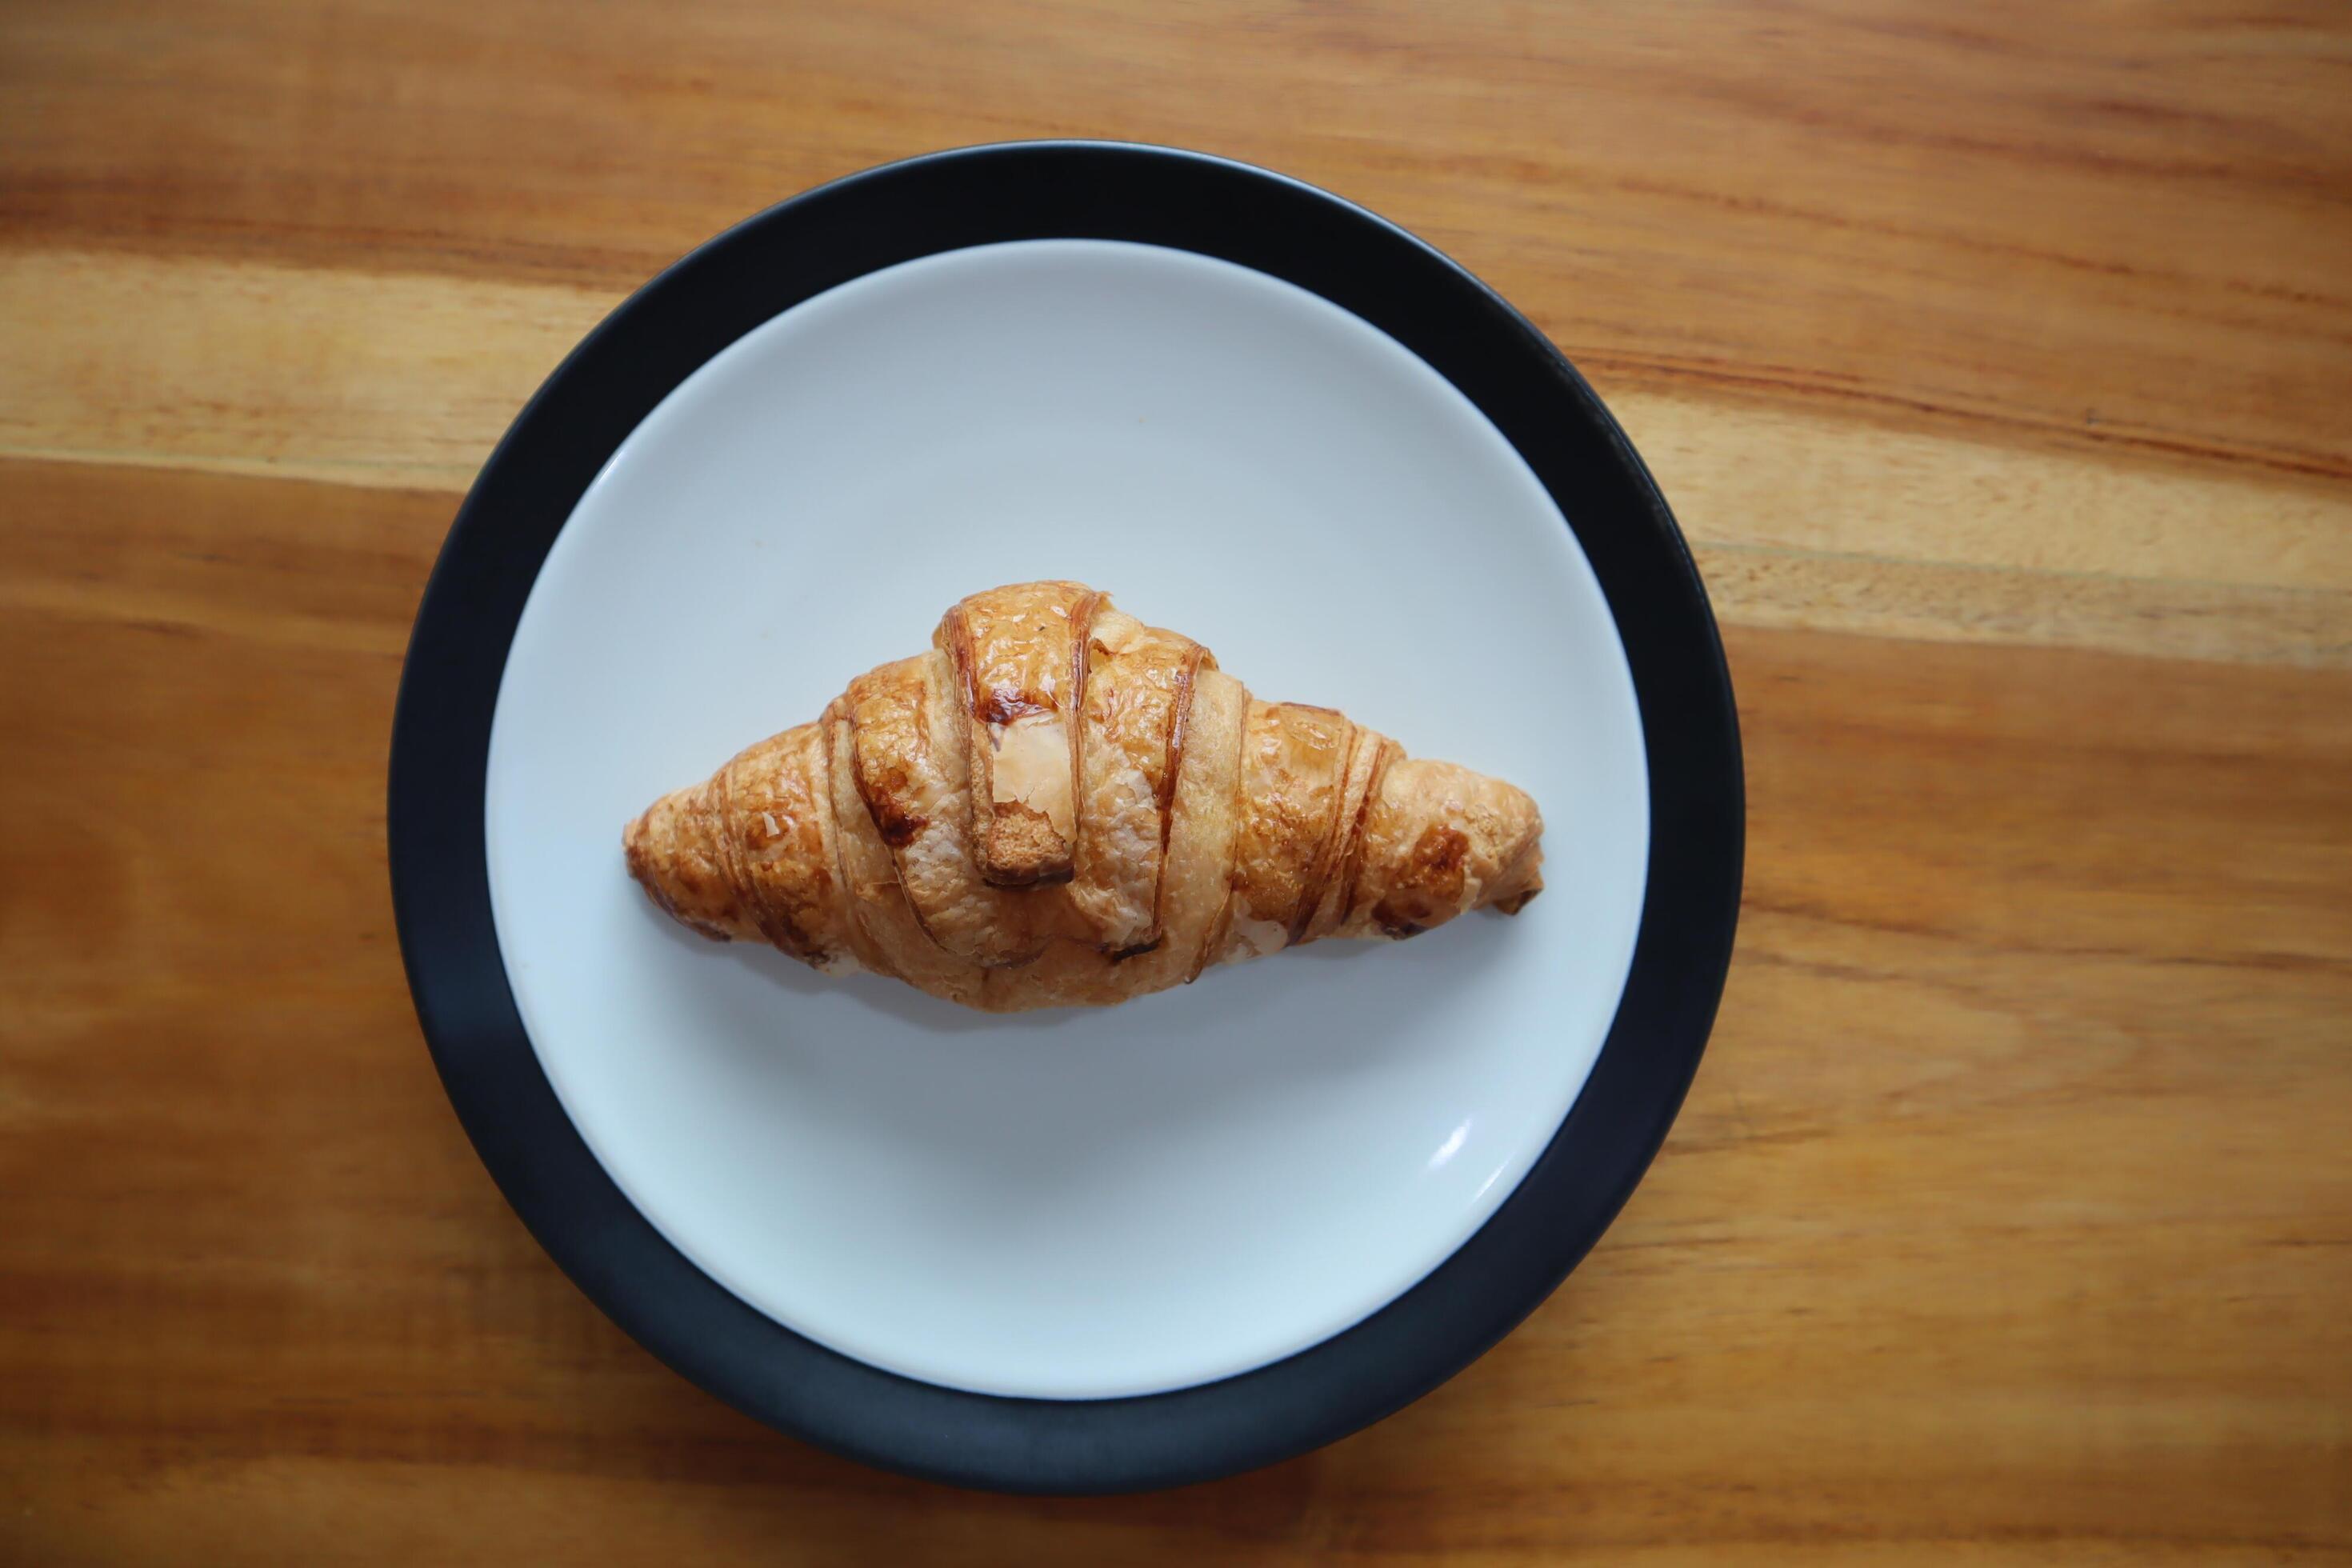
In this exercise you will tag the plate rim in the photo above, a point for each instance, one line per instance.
(947, 201)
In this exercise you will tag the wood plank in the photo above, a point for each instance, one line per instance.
(2038, 217)
(1995, 361)
(1802, 516)
(2006, 1221)
(404, 381)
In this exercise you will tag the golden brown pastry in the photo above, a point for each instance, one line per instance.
(1059, 805)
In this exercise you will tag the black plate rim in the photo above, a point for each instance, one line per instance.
(945, 201)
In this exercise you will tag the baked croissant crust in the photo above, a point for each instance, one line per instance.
(1058, 805)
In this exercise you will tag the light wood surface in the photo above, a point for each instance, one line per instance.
(1999, 362)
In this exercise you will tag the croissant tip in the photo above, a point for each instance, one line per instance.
(1523, 880)
(1519, 900)
(652, 871)
(635, 851)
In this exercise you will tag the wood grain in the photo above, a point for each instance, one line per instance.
(1815, 520)
(1998, 362)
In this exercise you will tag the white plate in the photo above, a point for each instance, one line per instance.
(1071, 1205)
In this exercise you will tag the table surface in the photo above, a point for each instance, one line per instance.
(1998, 360)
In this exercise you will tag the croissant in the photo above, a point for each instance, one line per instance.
(1059, 805)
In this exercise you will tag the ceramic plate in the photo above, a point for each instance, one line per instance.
(1077, 1251)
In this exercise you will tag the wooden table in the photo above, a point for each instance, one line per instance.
(1999, 362)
